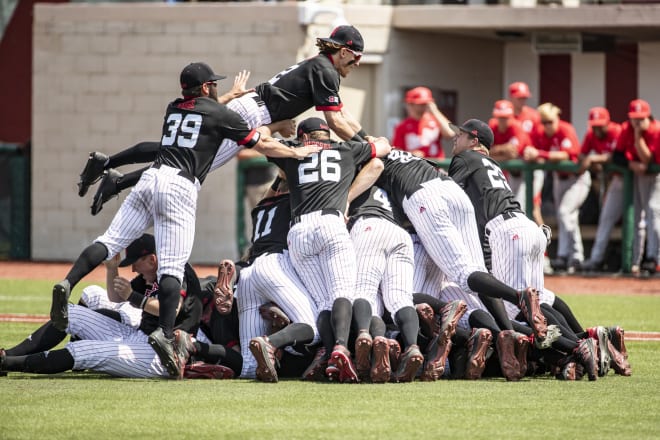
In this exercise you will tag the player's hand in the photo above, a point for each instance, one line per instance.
(530, 154)
(122, 287)
(113, 263)
(240, 80)
(307, 150)
(287, 128)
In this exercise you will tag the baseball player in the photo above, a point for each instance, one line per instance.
(268, 275)
(527, 116)
(384, 255)
(166, 197)
(105, 344)
(318, 237)
(597, 147)
(422, 131)
(555, 140)
(640, 140)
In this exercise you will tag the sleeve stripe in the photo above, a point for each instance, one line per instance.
(329, 108)
(373, 149)
(251, 139)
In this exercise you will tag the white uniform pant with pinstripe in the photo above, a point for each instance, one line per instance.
(168, 202)
(271, 277)
(322, 253)
(96, 297)
(384, 262)
(111, 347)
(427, 276)
(444, 219)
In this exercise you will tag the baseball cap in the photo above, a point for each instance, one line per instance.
(598, 116)
(347, 36)
(519, 90)
(419, 95)
(144, 245)
(639, 108)
(196, 74)
(503, 109)
(478, 129)
(312, 124)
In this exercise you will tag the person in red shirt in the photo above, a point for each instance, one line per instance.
(597, 148)
(528, 117)
(555, 140)
(639, 142)
(422, 131)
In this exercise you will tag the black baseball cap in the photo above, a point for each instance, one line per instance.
(478, 129)
(196, 74)
(312, 124)
(347, 36)
(144, 245)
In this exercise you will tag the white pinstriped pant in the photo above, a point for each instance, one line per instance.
(427, 276)
(444, 219)
(108, 346)
(322, 253)
(166, 201)
(384, 260)
(271, 277)
(96, 297)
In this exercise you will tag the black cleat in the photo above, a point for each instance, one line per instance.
(164, 348)
(59, 308)
(107, 189)
(92, 172)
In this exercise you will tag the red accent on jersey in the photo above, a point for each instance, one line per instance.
(564, 139)
(419, 134)
(626, 142)
(329, 108)
(601, 146)
(188, 104)
(248, 138)
(373, 149)
(529, 119)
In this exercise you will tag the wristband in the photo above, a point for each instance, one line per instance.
(363, 134)
(137, 299)
(144, 302)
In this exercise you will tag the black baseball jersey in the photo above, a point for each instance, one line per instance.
(373, 203)
(193, 130)
(270, 219)
(321, 180)
(191, 310)
(483, 181)
(404, 173)
(312, 82)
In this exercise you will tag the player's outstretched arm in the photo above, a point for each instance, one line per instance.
(272, 147)
(343, 124)
(112, 272)
(238, 89)
(365, 178)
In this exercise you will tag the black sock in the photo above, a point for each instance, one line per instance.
(377, 327)
(342, 312)
(524, 329)
(48, 362)
(139, 153)
(555, 318)
(408, 321)
(89, 259)
(169, 291)
(435, 303)
(219, 354)
(461, 337)
(482, 282)
(496, 308)
(481, 319)
(292, 334)
(324, 324)
(567, 313)
(44, 338)
(361, 315)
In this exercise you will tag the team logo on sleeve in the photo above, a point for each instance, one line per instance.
(333, 99)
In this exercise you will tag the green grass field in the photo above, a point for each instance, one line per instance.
(86, 405)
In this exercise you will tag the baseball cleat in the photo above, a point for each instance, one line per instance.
(409, 364)
(363, 345)
(426, 318)
(529, 305)
(451, 314)
(506, 351)
(569, 369)
(202, 370)
(381, 369)
(278, 319)
(395, 353)
(587, 353)
(184, 346)
(436, 358)
(340, 366)
(224, 287)
(619, 363)
(59, 308)
(92, 172)
(3, 356)
(522, 349)
(106, 190)
(477, 349)
(316, 370)
(604, 358)
(164, 348)
(264, 353)
(618, 340)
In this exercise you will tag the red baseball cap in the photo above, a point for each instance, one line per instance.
(419, 95)
(503, 109)
(519, 90)
(598, 116)
(639, 108)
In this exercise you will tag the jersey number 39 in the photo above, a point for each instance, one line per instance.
(183, 131)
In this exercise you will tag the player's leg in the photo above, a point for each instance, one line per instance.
(575, 193)
(45, 362)
(42, 339)
(250, 322)
(134, 360)
(610, 214)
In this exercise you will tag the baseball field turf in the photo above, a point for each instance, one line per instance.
(88, 405)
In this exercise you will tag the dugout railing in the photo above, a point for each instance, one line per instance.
(527, 170)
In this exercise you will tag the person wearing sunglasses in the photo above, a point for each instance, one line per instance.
(556, 140)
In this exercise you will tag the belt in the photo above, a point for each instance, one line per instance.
(508, 215)
(182, 173)
(297, 218)
(353, 220)
(258, 100)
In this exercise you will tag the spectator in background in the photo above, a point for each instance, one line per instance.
(597, 148)
(555, 140)
(422, 131)
(639, 142)
(527, 116)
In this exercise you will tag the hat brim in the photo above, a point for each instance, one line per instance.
(638, 115)
(456, 129)
(127, 261)
(330, 40)
(520, 95)
(598, 122)
(217, 77)
(503, 114)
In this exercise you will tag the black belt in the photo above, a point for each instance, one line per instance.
(258, 100)
(508, 215)
(297, 218)
(182, 173)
